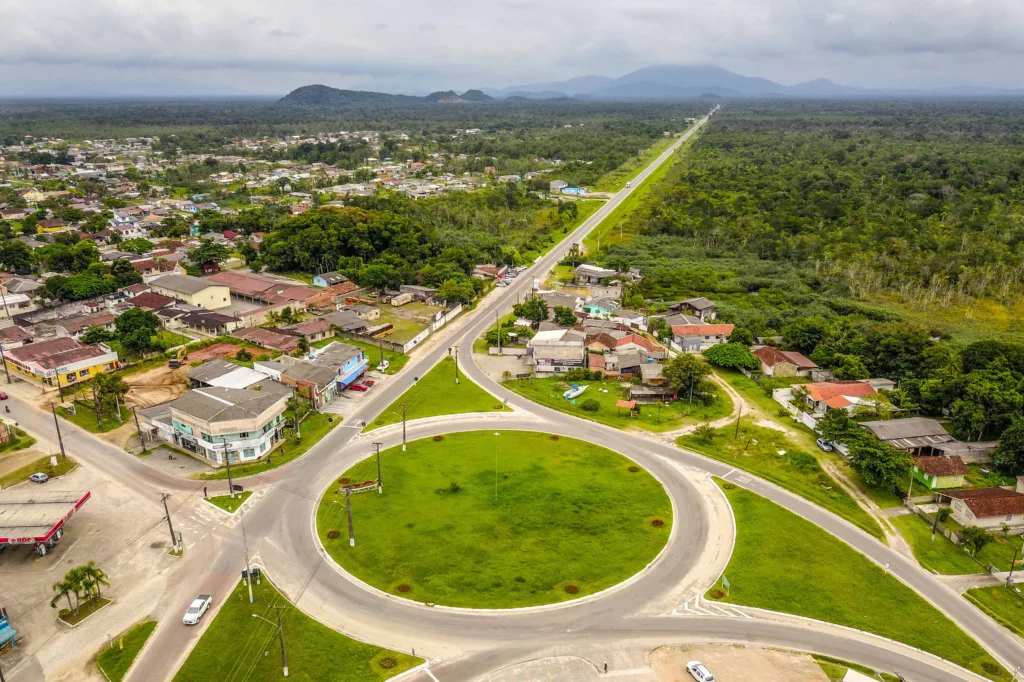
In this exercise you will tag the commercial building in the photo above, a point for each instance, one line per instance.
(203, 293)
(36, 516)
(62, 360)
(557, 350)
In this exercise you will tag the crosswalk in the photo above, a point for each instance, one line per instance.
(201, 519)
(703, 607)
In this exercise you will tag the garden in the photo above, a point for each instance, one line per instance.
(496, 520)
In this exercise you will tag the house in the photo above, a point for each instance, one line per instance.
(940, 472)
(314, 330)
(489, 271)
(52, 225)
(783, 363)
(693, 338)
(700, 307)
(556, 186)
(317, 383)
(642, 344)
(259, 289)
(987, 508)
(348, 362)
(202, 321)
(331, 296)
(61, 361)
(268, 338)
(75, 326)
(328, 279)
(591, 274)
(561, 299)
(651, 374)
(203, 293)
(916, 435)
(347, 321)
(225, 424)
(225, 374)
(600, 307)
(835, 395)
(651, 394)
(150, 301)
(14, 337)
(557, 351)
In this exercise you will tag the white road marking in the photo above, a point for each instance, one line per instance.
(427, 670)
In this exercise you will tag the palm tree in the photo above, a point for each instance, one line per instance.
(76, 578)
(96, 575)
(63, 589)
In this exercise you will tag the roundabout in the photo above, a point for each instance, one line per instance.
(496, 520)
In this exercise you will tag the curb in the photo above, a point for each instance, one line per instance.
(138, 656)
(462, 416)
(75, 625)
(241, 507)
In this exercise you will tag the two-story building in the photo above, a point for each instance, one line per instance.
(203, 293)
(61, 361)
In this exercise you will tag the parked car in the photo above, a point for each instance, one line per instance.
(699, 671)
(39, 477)
(369, 383)
(196, 609)
(359, 387)
(825, 445)
(383, 366)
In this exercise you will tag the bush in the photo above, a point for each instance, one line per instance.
(572, 589)
(243, 355)
(333, 534)
(454, 487)
(498, 406)
(717, 593)
(437, 438)
(590, 405)
(704, 432)
(944, 513)
(657, 523)
(344, 480)
(403, 588)
(634, 469)
(388, 662)
(729, 486)
(553, 437)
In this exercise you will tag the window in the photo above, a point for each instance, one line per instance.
(70, 378)
(84, 373)
(1009, 517)
(206, 437)
(244, 434)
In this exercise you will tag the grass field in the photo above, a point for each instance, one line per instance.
(408, 320)
(85, 609)
(942, 556)
(436, 393)
(614, 180)
(1001, 604)
(784, 563)
(115, 661)
(566, 513)
(313, 428)
(42, 465)
(835, 669)
(228, 503)
(396, 360)
(549, 390)
(85, 416)
(756, 450)
(19, 440)
(233, 646)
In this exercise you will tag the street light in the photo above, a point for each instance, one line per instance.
(496, 466)
(280, 634)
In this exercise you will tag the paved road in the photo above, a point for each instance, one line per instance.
(471, 644)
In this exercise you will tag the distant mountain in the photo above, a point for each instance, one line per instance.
(475, 96)
(332, 98)
(574, 86)
(644, 90)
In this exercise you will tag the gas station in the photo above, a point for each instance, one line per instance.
(37, 517)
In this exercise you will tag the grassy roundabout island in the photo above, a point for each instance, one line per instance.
(570, 519)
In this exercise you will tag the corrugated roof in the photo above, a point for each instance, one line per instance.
(851, 389)
(183, 284)
(913, 427)
(225, 404)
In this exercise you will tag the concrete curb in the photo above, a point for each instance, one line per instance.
(138, 656)
(75, 625)
(241, 507)
(328, 559)
(462, 416)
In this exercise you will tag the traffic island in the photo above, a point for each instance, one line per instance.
(495, 520)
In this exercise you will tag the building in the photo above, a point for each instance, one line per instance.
(77, 325)
(700, 307)
(347, 321)
(490, 271)
(916, 435)
(328, 279)
(61, 361)
(203, 293)
(14, 337)
(268, 338)
(987, 508)
(940, 472)
(557, 350)
(591, 274)
(783, 363)
(316, 329)
(224, 424)
(202, 321)
(694, 338)
(271, 292)
(224, 374)
(835, 395)
(556, 186)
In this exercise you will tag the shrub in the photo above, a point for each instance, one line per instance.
(388, 662)
(991, 668)
(403, 588)
(438, 437)
(498, 406)
(572, 589)
(553, 437)
(590, 405)
(344, 480)
(657, 523)
(729, 486)
(333, 534)
(944, 513)
(704, 432)
(243, 355)
(454, 487)
(634, 469)
(717, 593)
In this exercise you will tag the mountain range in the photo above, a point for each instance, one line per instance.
(664, 82)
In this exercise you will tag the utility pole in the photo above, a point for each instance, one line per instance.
(295, 414)
(231, 487)
(96, 406)
(497, 323)
(139, 429)
(404, 405)
(739, 414)
(380, 484)
(280, 634)
(1009, 578)
(457, 362)
(496, 434)
(60, 391)
(174, 540)
(56, 423)
(381, 345)
(4, 359)
(248, 571)
(348, 510)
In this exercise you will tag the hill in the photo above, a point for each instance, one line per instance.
(333, 98)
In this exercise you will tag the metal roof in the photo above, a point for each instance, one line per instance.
(928, 431)
(33, 515)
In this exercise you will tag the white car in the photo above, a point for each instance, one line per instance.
(383, 366)
(699, 672)
(196, 609)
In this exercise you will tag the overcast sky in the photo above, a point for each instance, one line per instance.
(268, 46)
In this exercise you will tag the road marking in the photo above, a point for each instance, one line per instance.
(427, 670)
(731, 472)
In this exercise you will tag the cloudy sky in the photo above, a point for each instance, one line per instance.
(271, 47)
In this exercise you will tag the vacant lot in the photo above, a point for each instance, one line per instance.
(156, 385)
(408, 320)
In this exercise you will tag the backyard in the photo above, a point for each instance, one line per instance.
(548, 391)
(822, 577)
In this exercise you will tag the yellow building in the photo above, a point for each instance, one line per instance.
(62, 361)
(193, 290)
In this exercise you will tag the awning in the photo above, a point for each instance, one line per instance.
(7, 633)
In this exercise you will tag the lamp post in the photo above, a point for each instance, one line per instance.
(380, 484)
(496, 434)
(56, 423)
(280, 634)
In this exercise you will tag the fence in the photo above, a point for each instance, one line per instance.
(783, 396)
(504, 350)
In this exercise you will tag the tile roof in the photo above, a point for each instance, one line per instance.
(942, 466)
(596, 361)
(268, 338)
(73, 325)
(13, 334)
(151, 301)
(55, 352)
(773, 356)
(226, 404)
(703, 329)
(852, 389)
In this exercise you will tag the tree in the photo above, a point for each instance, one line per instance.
(881, 465)
(138, 245)
(97, 334)
(110, 389)
(208, 253)
(97, 576)
(848, 367)
(732, 356)
(805, 334)
(686, 374)
(124, 273)
(705, 432)
(243, 355)
(15, 257)
(1009, 454)
(136, 328)
(564, 316)
(456, 291)
(533, 309)
(493, 335)
(837, 427)
(380, 276)
(976, 537)
(741, 335)
(63, 590)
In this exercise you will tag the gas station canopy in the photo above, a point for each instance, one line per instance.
(32, 516)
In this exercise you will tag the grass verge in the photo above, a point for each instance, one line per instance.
(313, 428)
(233, 646)
(783, 563)
(19, 440)
(435, 394)
(85, 417)
(942, 556)
(615, 180)
(835, 669)
(1003, 605)
(85, 609)
(42, 465)
(115, 660)
(757, 451)
(549, 390)
(228, 503)
(553, 520)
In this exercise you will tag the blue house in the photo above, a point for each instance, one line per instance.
(601, 306)
(349, 361)
(329, 279)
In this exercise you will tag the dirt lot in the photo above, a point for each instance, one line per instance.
(217, 350)
(157, 385)
(737, 663)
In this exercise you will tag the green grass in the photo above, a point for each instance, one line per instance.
(233, 646)
(549, 390)
(979, 479)
(567, 513)
(397, 360)
(835, 669)
(18, 440)
(115, 661)
(85, 417)
(797, 471)
(614, 180)
(435, 394)
(167, 339)
(1004, 606)
(408, 320)
(228, 503)
(783, 563)
(41, 465)
(313, 428)
(942, 556)
(85, 609)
